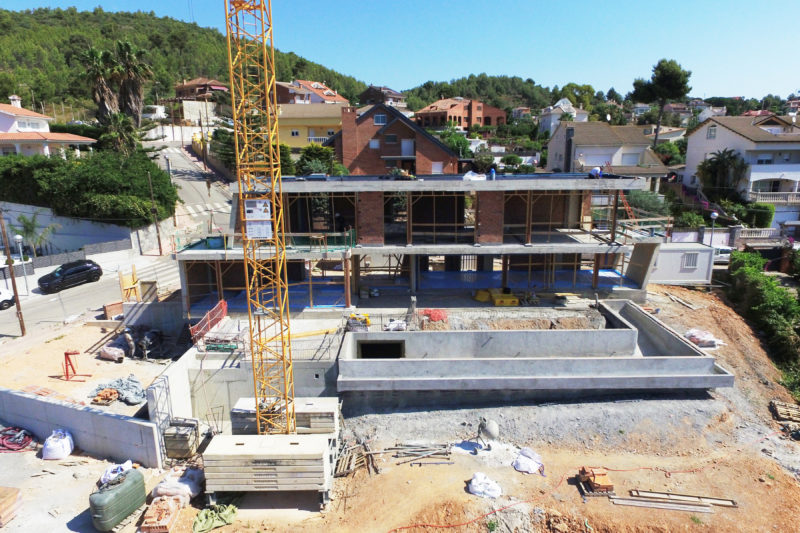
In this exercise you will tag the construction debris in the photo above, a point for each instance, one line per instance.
(130, 390)
(10, 500)
(595, 481)
(418, 451)
(682, 302)
(481, 485)
(351, 459)
(182, 438)
(783, 411)
(703, 339)
(161, 515)
(106, 397)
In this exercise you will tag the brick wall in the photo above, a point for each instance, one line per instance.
(348, 141)
(489, 217)
(369, 217)
(428, 153)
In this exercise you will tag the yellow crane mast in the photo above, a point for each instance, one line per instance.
(251, 58)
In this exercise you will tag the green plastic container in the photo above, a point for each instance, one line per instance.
(113, 504)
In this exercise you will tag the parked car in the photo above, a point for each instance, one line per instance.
(6, 299)
(722, 254)
(69, 275)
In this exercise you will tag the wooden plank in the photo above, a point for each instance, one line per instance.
(720, 502)
(688, 507)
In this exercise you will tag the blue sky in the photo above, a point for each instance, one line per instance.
(732, 47)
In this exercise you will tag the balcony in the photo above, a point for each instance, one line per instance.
(776, 198)
(318, 140)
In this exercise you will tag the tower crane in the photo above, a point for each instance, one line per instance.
(251, 59)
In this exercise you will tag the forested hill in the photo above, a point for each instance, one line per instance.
(39, 51)
(500, 91)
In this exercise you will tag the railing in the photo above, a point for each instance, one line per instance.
(318, 140)
(760, 233)
(774, 197)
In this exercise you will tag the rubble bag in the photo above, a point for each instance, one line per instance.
(58, 445)
(115, 501)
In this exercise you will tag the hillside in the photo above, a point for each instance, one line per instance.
(39, 52)
(499, 91)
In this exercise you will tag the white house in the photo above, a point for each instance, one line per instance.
(665, 133)
(640, 109)
(710, 111)
(551, 115)
(683, 263)
(623, 150)
(769, 144)
(28, 133)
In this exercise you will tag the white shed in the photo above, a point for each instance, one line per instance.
(683, 263)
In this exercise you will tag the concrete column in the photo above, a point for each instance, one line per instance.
(46, 149)
(356, 273)
(596, 271)
(735, 235)
(701, 234)
(412, 267)
(504, 278)
(614, 217)
(18, 148)
(346, 270)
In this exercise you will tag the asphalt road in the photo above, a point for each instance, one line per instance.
(199, 206)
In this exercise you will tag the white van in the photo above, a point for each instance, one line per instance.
(722, 254)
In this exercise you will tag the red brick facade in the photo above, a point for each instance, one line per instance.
(489, 217)
(383, 138)
(461, 112)
(369, 217)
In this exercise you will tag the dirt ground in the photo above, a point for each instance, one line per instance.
(722, 445)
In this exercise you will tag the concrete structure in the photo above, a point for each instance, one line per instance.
(550, 116)
(581, 146)
(641, 354)
(460, 112)
(684, 263)
(26, 132)
(154, 112)
(94, 431)
(382, 95)
(301, 125)
(382, 138)
(770, 145)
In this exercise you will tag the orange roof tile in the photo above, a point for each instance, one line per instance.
(335, 97)
(45, 136)
(20, 111)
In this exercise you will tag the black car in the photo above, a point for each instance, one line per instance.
(69, 275)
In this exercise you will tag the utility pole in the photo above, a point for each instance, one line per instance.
(154, 210)
(11, 271)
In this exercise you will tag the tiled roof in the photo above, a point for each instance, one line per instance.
(444, 105)
(387, 90)
(596, 133)
(399, 116)
(20, 111)
(295, 88)
(748, 127)
(200, 81)
(335, 97)
(630, 134)
(46, 136)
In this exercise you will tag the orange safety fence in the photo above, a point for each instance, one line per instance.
(209, 320)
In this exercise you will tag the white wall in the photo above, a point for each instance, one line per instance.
(699, 147)
(669, 267)
(173, 133)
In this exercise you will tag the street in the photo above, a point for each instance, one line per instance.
(200, 205)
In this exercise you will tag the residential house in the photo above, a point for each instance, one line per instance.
(640, 109)
(770, 145)
(382, 95)
(710, 111)
(680, 109)
(551, 115)
(383, 138)
(665, 133)
(301, 125)
(28, 133)
(461, 112)
(319, 93)
(792, 107)
(198, 88)
(758, 113)
(621, 150)
(289, 93)
(698, 104)
(520, 112)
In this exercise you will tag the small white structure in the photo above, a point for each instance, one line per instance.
(683, 263)
(551, 115)
(28, 133)
(154, 112)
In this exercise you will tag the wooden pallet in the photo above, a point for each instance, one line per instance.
(350, 461)
(587, 491)
(785, 411)
(131, 518)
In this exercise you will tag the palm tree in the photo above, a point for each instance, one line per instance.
(133, 73)
(120, 134)
(100, 72)
(29, 229)
(722, 173)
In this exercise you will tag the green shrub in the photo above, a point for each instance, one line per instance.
(760, 215)
(734, 209)
(689, 219)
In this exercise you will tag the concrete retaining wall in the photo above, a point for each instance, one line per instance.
(96, 432)
(166, 316)
(532, 343)
(660, 338)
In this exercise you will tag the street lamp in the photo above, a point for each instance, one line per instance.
(18, 239)
(713, 216)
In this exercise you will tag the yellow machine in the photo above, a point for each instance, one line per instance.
(251, 58)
